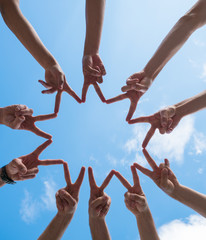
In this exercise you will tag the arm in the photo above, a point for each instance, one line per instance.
(99, 230)
(94, 24)
(183, 29)
(190, 198)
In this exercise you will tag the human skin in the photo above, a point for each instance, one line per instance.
(168, 118)
(136, 202)
(66, 200)
(99, 204)
(93, 68)
(166, 180)
(20, 117)
(24, 31)
(175, 39)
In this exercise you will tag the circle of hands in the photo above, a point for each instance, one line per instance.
(26, 167)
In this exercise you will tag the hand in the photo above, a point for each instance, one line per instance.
(32, 160)
(93, 70)
(29, 124)
(13, 116)
(99, 202)
(135, 199)
(67, 198)
(162, 176)
(56, 81)
(165, 120)
(17, 171)
(136, 86)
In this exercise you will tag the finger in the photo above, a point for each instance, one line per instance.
(134, 197)
(45, 84)
(49, 91)
(20, 107)
(170, 121)
(148, 136)
(27, 111)
(31, 171)
(45, 117)
(57, 101)
(132, 109)
(124, 182)
(164, 118)
(104, 210)
(99, 80)
(98, 202)
(91, 71)
(116, 99)
(42, 147)
(167, 163)
(48, 162)
(69, 199)
(59, 202)
(132, 81)
(67, 174)
(84, 91)
(17, 163)
(92, 181)
(162, 130)
(143, 170)
(127, 88)
(99, 92)
(61, 80)
(80, 178)
(102, 69)
(107, 180)
(151, 162)
(135, 176)
(16, 124)
(71, 92)
(40, 133)
(164, 177)
(140, 120)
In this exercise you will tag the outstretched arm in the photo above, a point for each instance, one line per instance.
(183, 29)
(94, 24)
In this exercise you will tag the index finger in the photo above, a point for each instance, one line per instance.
(107, 180)
(50, 162)
(67, 174)
(58, 101)
(71, 92)
(132, 109)
(148, 136)
(40, 133)
(92, 181)
(151, 162)
(117, 98)
(124, 182)
(135, 176)
(84, 91)
(42, 147)
(99, 92)
(45, 117)
(140, 120)
(80, 178)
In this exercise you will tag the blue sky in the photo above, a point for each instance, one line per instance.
(95, 134)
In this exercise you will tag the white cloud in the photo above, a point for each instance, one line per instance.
(200, 170)
(48, 198)
(112, 160)
(203, 75)
(193, 227)
(29, 208)
(173, 145)
(199, 43)
(199, 143)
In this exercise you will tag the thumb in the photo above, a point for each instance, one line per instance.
(17, 122)
(164, 178)
(20, 166)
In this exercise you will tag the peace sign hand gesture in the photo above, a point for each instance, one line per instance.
(162, 176)
(135, 199)
(99, 202)
(165, 120)
(68, 197)
(93, 70)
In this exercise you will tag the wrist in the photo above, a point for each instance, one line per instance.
(1, 115)
(51, 61)
(148, 73)
(144, 214)
(181, 111)
(65, 215)
(175, 193)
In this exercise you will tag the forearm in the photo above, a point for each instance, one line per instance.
(26, 34)
(1, 115)
(190, 198)
(99, 230)
(176, 38)
(2, 183)
(146, 226)
(56, 228)
(191, 105)
(94, 23)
